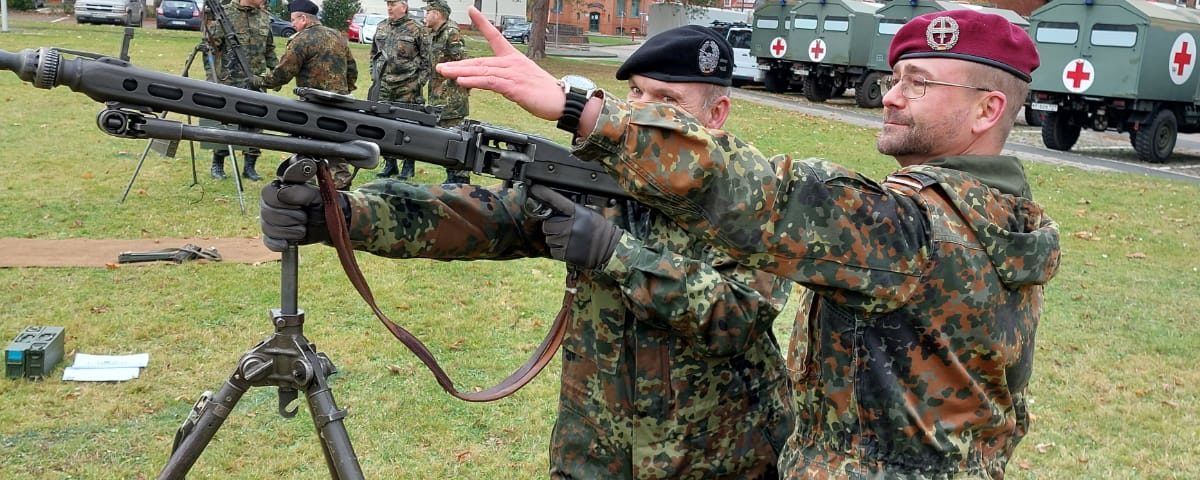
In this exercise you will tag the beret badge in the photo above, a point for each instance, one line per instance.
(709, 57)
(942, 33)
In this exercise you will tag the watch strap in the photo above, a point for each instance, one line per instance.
(572, 110)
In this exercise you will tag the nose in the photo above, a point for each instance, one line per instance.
(893, 98)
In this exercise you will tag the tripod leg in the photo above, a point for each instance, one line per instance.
(237, 179)
(335, 442)
(135, 173)
(191, 444)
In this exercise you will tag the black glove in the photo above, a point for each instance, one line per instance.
(576, 234)
(255, 82)
(291, 212)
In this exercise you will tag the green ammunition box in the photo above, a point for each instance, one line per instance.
(14, 359)
(43, 350)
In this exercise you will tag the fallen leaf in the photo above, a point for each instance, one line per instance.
(111, 266)
(1044, 447)
(87, 175)
(1171, 403)
(395, 369)
(1137, 255)
(1085, 235)
(458, 344)
(463, 456)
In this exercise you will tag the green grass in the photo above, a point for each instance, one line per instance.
(1115, 388)
(609, 41)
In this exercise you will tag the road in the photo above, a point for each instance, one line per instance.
(1102, 151)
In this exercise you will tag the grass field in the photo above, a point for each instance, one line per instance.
(1115, 389)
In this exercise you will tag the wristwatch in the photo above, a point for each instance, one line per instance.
(579, 90)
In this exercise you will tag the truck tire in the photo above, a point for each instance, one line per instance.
(1155, 144)
(1033, 117)
(1058, 133)
(776, 80)
(815, 90)
(868, 94)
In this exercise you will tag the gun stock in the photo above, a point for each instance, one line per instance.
(323, 124)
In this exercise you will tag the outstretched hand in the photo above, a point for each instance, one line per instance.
(509, 73)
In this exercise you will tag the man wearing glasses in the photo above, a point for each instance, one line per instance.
(928, 284)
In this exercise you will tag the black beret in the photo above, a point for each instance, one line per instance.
(690, 53)
(302, 6)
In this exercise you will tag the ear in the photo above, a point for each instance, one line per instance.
(718, 113)
(989, 111)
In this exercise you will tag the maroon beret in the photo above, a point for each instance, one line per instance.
(967, 35)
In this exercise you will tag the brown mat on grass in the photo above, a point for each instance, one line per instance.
(81, 252)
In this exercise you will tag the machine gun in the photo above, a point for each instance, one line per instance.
(324, 124)
(217, 11)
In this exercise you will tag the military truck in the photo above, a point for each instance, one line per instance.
(1120, 65)
(769, 41)
(828, 53)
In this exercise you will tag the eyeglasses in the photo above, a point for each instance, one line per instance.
(913, 86)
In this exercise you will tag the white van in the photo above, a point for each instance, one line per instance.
(745, 66)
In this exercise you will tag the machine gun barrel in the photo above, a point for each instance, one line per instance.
(504, 154)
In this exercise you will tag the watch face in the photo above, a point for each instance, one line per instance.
(576, 81)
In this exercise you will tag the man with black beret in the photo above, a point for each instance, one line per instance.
(317, 57)
(928, 284)
(670, 368)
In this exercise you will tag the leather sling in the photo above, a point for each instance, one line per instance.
(340, 237)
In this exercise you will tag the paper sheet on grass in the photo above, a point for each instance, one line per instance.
(106, 368)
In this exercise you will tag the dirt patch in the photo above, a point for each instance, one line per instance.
(81, 252)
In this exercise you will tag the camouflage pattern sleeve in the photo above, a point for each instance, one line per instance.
(812, 221)
(456, 48)
(272, 59)
(424, 58)
(722, 306)
(289, 65)
(398, 219)
(351, 73)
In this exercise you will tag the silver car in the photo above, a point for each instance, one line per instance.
(124, 12)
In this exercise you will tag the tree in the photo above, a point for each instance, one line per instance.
(336, 13)
(537, 32)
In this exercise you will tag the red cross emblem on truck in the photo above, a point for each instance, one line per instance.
(778, 47)
(1078, 75)
(816, 50)
(1182, 58)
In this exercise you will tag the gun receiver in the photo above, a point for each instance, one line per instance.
(317, 125)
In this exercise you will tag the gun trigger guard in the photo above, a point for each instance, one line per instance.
(286, 397)
(537, 209)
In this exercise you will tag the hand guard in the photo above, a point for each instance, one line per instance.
(291, 212)
(576, 234)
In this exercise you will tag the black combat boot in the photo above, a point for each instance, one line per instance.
(248, 168)
(407, 169)
(218, 165)
(389, 168)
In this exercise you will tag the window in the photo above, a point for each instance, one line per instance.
(764, 22)
(837, 24)
(620, 10)
(1109, 35)
(805, 22)
(1057, 32)
(636, 7)
(889, 26)
(739, 38)
(558, 6)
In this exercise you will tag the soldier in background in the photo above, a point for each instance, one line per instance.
(447, 46)
(252, 26)
(670, 368)
(400, 66)
(317, 57)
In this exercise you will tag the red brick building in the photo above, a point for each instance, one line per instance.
(606, 17)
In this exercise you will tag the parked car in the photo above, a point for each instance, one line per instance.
(354, 27)
(130, 13)
(518, 32)
(281, 27)
(370, 24)
(178, 14)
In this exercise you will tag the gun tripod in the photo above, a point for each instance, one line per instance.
(286, 360)
(167, 149)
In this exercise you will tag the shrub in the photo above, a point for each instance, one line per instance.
(335, 13)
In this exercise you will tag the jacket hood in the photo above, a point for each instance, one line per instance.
(1020, 239)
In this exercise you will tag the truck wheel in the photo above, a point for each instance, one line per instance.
(776, 80)
(1156, 143)
(1058, 133)
(815, 90)
(868, 93)
(1033, 117)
